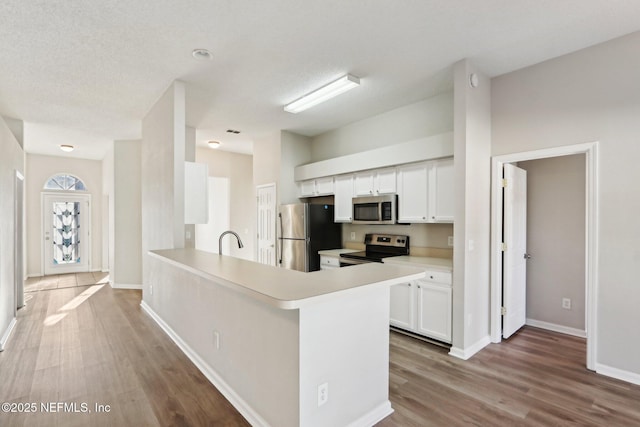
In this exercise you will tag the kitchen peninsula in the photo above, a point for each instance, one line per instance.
(286, 348)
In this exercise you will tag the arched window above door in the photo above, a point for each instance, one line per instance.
(65, 182)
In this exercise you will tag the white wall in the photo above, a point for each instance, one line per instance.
(556, 240)
(39, 169)
(238, 168)
(472, 150)
(162, 173)
(590, 95)
(266, 159)
(428, 117)
(12, 159)
(295, 151)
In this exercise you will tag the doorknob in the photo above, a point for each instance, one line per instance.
(527, 256)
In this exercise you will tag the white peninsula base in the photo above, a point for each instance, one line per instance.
(269, 355)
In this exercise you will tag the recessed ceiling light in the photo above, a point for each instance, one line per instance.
(325, 93)
(67, 148)
(214, 144)
(202, 54)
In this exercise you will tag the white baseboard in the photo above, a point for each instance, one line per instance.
(7, 334)
(557, 328)
(125, 286)
(243, 407)
(373, 417)
(466, 353)
(630, 377)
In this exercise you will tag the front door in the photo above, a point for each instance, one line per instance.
(66, 241)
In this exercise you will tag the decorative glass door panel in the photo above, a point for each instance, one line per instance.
(66, 237)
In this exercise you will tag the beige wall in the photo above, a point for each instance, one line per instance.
(38, 171)
(162, 173)
(590, 95)
(428, 117)
(556, 239)
(12, 159)
(239, 169)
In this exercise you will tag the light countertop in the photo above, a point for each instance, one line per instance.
(336, 252)
(439, 264)
(286, 289)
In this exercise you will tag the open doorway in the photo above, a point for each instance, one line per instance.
(589, 151)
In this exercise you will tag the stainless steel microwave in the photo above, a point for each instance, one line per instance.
(375, 210)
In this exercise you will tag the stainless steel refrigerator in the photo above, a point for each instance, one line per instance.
(303, 230)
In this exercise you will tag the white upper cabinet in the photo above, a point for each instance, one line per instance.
(375, 182)
(316, 187)
(425, 191)
(441, 195)
(343, 205)
(413, 202)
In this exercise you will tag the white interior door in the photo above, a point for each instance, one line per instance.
(219, 217)
(514, 291)
(266, 215)
(66, 222)
(19, 240)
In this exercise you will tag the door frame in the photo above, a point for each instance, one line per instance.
(19, 242)
(85, 196)
(590, 149)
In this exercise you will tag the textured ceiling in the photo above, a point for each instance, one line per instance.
(88, 72)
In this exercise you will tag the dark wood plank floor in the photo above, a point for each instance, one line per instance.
(94, 345)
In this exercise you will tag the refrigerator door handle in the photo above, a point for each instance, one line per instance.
(280, 239)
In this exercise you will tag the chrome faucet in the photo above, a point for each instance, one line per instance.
(240, 245)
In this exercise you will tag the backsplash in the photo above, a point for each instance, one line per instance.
(421, 235)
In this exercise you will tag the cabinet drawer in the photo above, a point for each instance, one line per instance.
(438, 277)
(329, 261)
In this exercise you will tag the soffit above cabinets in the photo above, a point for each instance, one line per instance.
(429, 148)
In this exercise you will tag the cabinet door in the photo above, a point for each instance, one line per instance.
(308, 188)
(412, 193)
(441, 191)
(385, 181)
(434, 310)
(364, 183)
(343, 205)
(403, 304)
(324, 186)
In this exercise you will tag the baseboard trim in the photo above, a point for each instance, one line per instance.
(125, 286)
(374, 416)
(7, 334)
(467, 353)
(243, 407)
(557, 328)
(619, 374)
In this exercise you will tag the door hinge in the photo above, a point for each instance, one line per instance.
(503, 246)
(503, 311)
(503, 183)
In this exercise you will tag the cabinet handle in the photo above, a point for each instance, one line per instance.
(418, 286)
(409, 284)
(424, 217)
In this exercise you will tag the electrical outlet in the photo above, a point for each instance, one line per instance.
(353, 236)
(566, 303)
(150, 289)
(323, 393)
(216, 340)
(450, 241)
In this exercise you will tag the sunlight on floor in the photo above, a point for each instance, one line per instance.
(71, 305)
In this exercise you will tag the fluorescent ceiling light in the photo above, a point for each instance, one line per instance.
(214, 144)
(66, 148)
(335, 88)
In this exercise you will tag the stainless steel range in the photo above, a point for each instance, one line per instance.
(377, 247)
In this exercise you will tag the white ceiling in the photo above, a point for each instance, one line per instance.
(87, 72)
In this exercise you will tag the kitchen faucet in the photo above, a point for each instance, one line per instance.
(240, 245)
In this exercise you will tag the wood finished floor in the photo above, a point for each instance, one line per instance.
(93, 344)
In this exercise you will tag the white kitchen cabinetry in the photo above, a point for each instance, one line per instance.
(425, 191)
(328, 262)
(441, 195)
(343, 205)
(424, 306)
(375, 182)
(413, 186)
(316, 187)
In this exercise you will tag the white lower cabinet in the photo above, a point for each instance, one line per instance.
(328, 262)
(424, 306)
